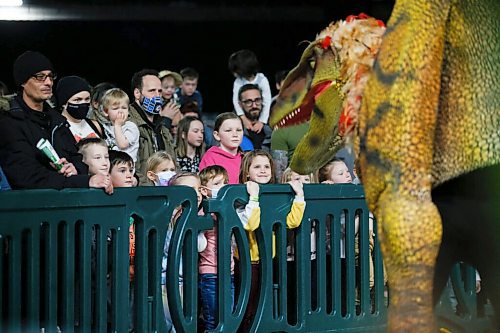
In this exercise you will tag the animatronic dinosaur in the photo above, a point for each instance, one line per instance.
(425, 121)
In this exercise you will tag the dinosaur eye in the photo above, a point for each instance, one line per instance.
(312, 62)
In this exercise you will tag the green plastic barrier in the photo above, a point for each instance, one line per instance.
(64, 263)
(46, 272)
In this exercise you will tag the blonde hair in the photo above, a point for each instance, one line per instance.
(84, 144)
(176, 180)
(113, 96)
(157, 158)
(287, 176)
(212, 171)
(247, 160)
(325, 171)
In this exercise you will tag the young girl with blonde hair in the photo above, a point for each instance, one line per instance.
(289, 175)
(160, 168)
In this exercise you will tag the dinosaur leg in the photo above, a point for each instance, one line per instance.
(397, 130)
(410, 235)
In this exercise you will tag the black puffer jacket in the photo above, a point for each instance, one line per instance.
(24, 165)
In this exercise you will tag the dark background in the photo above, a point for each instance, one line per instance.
(113, 39)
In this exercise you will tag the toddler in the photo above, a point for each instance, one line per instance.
(121, 134)
(244, 65)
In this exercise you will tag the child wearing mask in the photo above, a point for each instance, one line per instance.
(160, 168)
(212, 179)
(186, 179)
(121, 134)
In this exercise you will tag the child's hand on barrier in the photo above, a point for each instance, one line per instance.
(297, 187)
(101, 181)
(252, 189)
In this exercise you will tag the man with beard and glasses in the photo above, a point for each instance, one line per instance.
(250, 100)
(147, 113)
(29, 119)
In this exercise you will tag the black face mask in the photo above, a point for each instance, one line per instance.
(78, 111)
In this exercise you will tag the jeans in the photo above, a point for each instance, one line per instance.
(208, 291)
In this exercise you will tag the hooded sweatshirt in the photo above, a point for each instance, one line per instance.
(216, 156)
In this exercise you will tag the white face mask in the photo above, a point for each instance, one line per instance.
(214, 192)
(164, 177)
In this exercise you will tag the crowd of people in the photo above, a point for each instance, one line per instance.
(104, 138)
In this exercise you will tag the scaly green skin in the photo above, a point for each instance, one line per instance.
(430, 113)
(322, 140)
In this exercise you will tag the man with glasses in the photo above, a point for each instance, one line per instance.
(250, 100)
(29, 119)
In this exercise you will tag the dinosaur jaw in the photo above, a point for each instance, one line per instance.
(322, 139)
(303, 113)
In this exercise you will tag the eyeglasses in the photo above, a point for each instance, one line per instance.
(249, 102)
(42, 77)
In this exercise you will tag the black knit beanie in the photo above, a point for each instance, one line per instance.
(68, 86)
(28, 64)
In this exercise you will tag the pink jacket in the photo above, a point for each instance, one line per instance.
(217, 156)
(208, 257)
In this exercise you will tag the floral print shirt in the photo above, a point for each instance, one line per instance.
(189, 164)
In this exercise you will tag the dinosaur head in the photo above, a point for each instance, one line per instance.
(325, 89)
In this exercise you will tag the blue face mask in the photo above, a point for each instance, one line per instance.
(152, 105)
